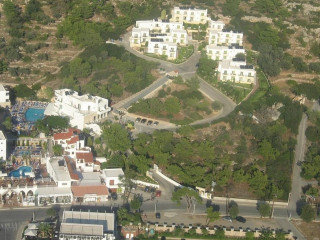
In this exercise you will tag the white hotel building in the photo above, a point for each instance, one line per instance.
(215, 25)
(223, 52)
(4, 97)
(224, 37)
(3, 146)
(236, 71)
(189, 15)
(81, 110)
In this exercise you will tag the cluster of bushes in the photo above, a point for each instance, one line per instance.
(311, 91)
(31, 48)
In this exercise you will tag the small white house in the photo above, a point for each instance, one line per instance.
(85, 162)
(70, 140)
(215, 25)
(3, 146)
(189, 15)
(236, 71)
(4, 97)
(112, 178)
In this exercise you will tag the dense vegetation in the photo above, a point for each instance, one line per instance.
(112, 71)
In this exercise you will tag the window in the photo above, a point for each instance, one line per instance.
(202, 14)
(111, 182)
(64, 184)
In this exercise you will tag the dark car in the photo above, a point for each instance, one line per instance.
(156, 123)
(147, 189)
(143, 120)
(158, 215)
(241, 219)
(138, 120)
(114, 196)
(149, 122)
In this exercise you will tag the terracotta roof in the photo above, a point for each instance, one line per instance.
(86, 156)
(66, 135)
(71, 168)
(80, 191)
(73, 140)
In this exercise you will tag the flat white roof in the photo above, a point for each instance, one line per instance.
(76, 218)
(81, 229)
(62, 173)
(113, 172)
(2, 136)
(50, 110)
(90, 178)
(50, 191)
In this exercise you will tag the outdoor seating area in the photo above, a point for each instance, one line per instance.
(27, 155)
(24, 114)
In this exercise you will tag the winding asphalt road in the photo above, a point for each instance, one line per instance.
(186, 69)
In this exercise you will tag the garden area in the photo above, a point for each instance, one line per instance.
(178, 102)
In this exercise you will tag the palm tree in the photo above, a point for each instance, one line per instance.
(45, 230)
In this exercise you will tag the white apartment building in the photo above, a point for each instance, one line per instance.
(158, 46)
(223, 52)
(112, 178)
(58, 170)
(81, 110)
(3, 146)
(224, 37)
(159, 25)
(4, 97)
(80, 225)
(189, 15)
(236, 71)
(215, 25)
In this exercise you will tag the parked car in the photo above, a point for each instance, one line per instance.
(147, 189)
(156, 123)
(114, 196)
(158, 193)
(149, 122)
(227, 218)
(241, 219)
(158, 216)
(144, 120)
(152, 190)
(138, 120)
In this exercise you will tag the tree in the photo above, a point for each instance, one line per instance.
(216, 105)
(51, 212)
(80, 68)
(116, 137)
(172, 105)
(163, 14)
(233, 210)
(193, 83)
(231, 8)
(264, 209)
(307, 213)
(267, 151)
(212, 215)
(135, 203)
(190, 195)
(45, 230)
(23, 91)
(57, 150)
(7, 123)
(313, 191)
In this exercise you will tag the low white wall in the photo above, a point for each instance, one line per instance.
(145, 183)
(168, 179)
(249, 201)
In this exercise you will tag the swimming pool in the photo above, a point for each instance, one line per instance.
(23, 169)
(33, 114)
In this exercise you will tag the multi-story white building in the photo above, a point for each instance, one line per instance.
(113, 179)
(3, 146)
(189, 15)
(4, 97)
(79, 225)
(85, 162)
(236, 71)
(160, 36)
(224, 37)
(81, 110)
(158, 46)
(215, 25)
(158, 25)
(223, 52)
